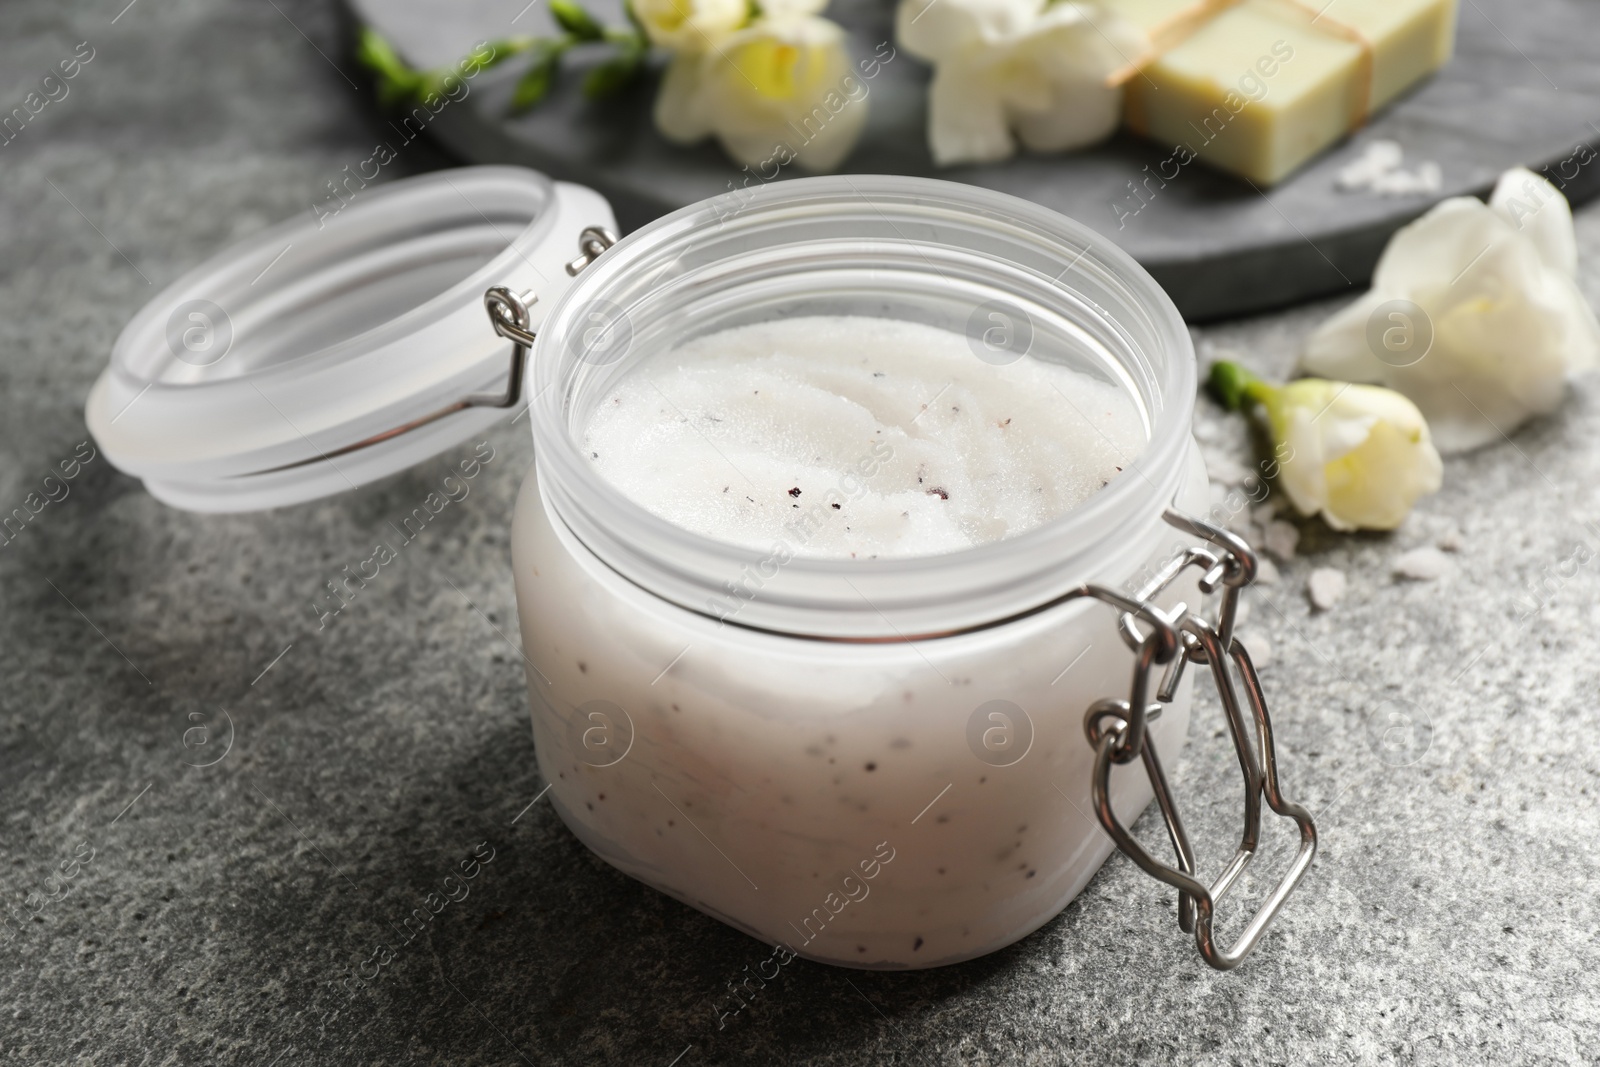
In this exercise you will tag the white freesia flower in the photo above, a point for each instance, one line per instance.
(780, 90)
(1473, 314)
(1006, 70)
(689, 25)
(1360, 455)
(784, 8)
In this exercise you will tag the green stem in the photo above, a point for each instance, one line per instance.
(1233, 385)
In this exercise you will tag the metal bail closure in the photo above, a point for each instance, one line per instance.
(1116, 729)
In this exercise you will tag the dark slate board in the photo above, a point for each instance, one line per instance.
(1524, 87)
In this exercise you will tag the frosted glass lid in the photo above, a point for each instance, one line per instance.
(335, 349)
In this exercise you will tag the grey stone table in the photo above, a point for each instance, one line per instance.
(1451, 917)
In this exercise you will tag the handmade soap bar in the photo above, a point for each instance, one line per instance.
(1260, 86)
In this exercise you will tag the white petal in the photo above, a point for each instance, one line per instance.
(1537, 209)
(784, 8)
(680, 110)
(1338, 348)
(1071, 51)
(966, 119)
(940, 29)
(1300, 467)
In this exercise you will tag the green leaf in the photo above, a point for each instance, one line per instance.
(534, 86)
(572, 17)
(614, 75)
(395, 80)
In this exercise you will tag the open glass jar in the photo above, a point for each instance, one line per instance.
(877, 763)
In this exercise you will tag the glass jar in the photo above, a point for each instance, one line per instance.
(877, 763)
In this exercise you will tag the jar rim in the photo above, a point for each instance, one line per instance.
(664, 557)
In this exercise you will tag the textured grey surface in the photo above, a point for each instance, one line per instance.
(1451, 917)
(1523, 88)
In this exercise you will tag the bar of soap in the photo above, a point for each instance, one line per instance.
(1264, 85)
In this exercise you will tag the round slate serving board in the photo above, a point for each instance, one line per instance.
(1524, 87)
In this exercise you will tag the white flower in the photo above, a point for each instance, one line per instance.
(1360, 455)
(1473, 314)
(774, 9)
(780, 90)
(1017, 69)
(689, 25)
(681, 110)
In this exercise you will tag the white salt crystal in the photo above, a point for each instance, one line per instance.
(1326, 586)
(1421, 564)
(1281, 538)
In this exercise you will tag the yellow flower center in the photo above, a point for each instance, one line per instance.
(771, 67)
(671, 15)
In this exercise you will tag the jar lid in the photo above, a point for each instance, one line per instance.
(341, 347)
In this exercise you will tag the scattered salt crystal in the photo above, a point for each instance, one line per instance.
(1263, 514)
(1450, 541)
(1377, 170)
(1225, 470)
(1421, 564)
(1326, 587)
(1266, 571)
(1281, 538)
(1378, 158)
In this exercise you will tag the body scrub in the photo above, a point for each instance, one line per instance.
(847, 436)
(801, 564)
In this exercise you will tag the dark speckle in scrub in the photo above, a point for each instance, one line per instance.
(861, 948)
(940, 493)
(835, 507)
(1032, 873)
(583, 668)
(872, 766)
(795, 491)
(942, 818)
(916, 945)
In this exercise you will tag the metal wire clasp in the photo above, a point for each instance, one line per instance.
(1116, 730)
(508, 311)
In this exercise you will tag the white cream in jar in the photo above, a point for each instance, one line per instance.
(858, 437)
(861, 736)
